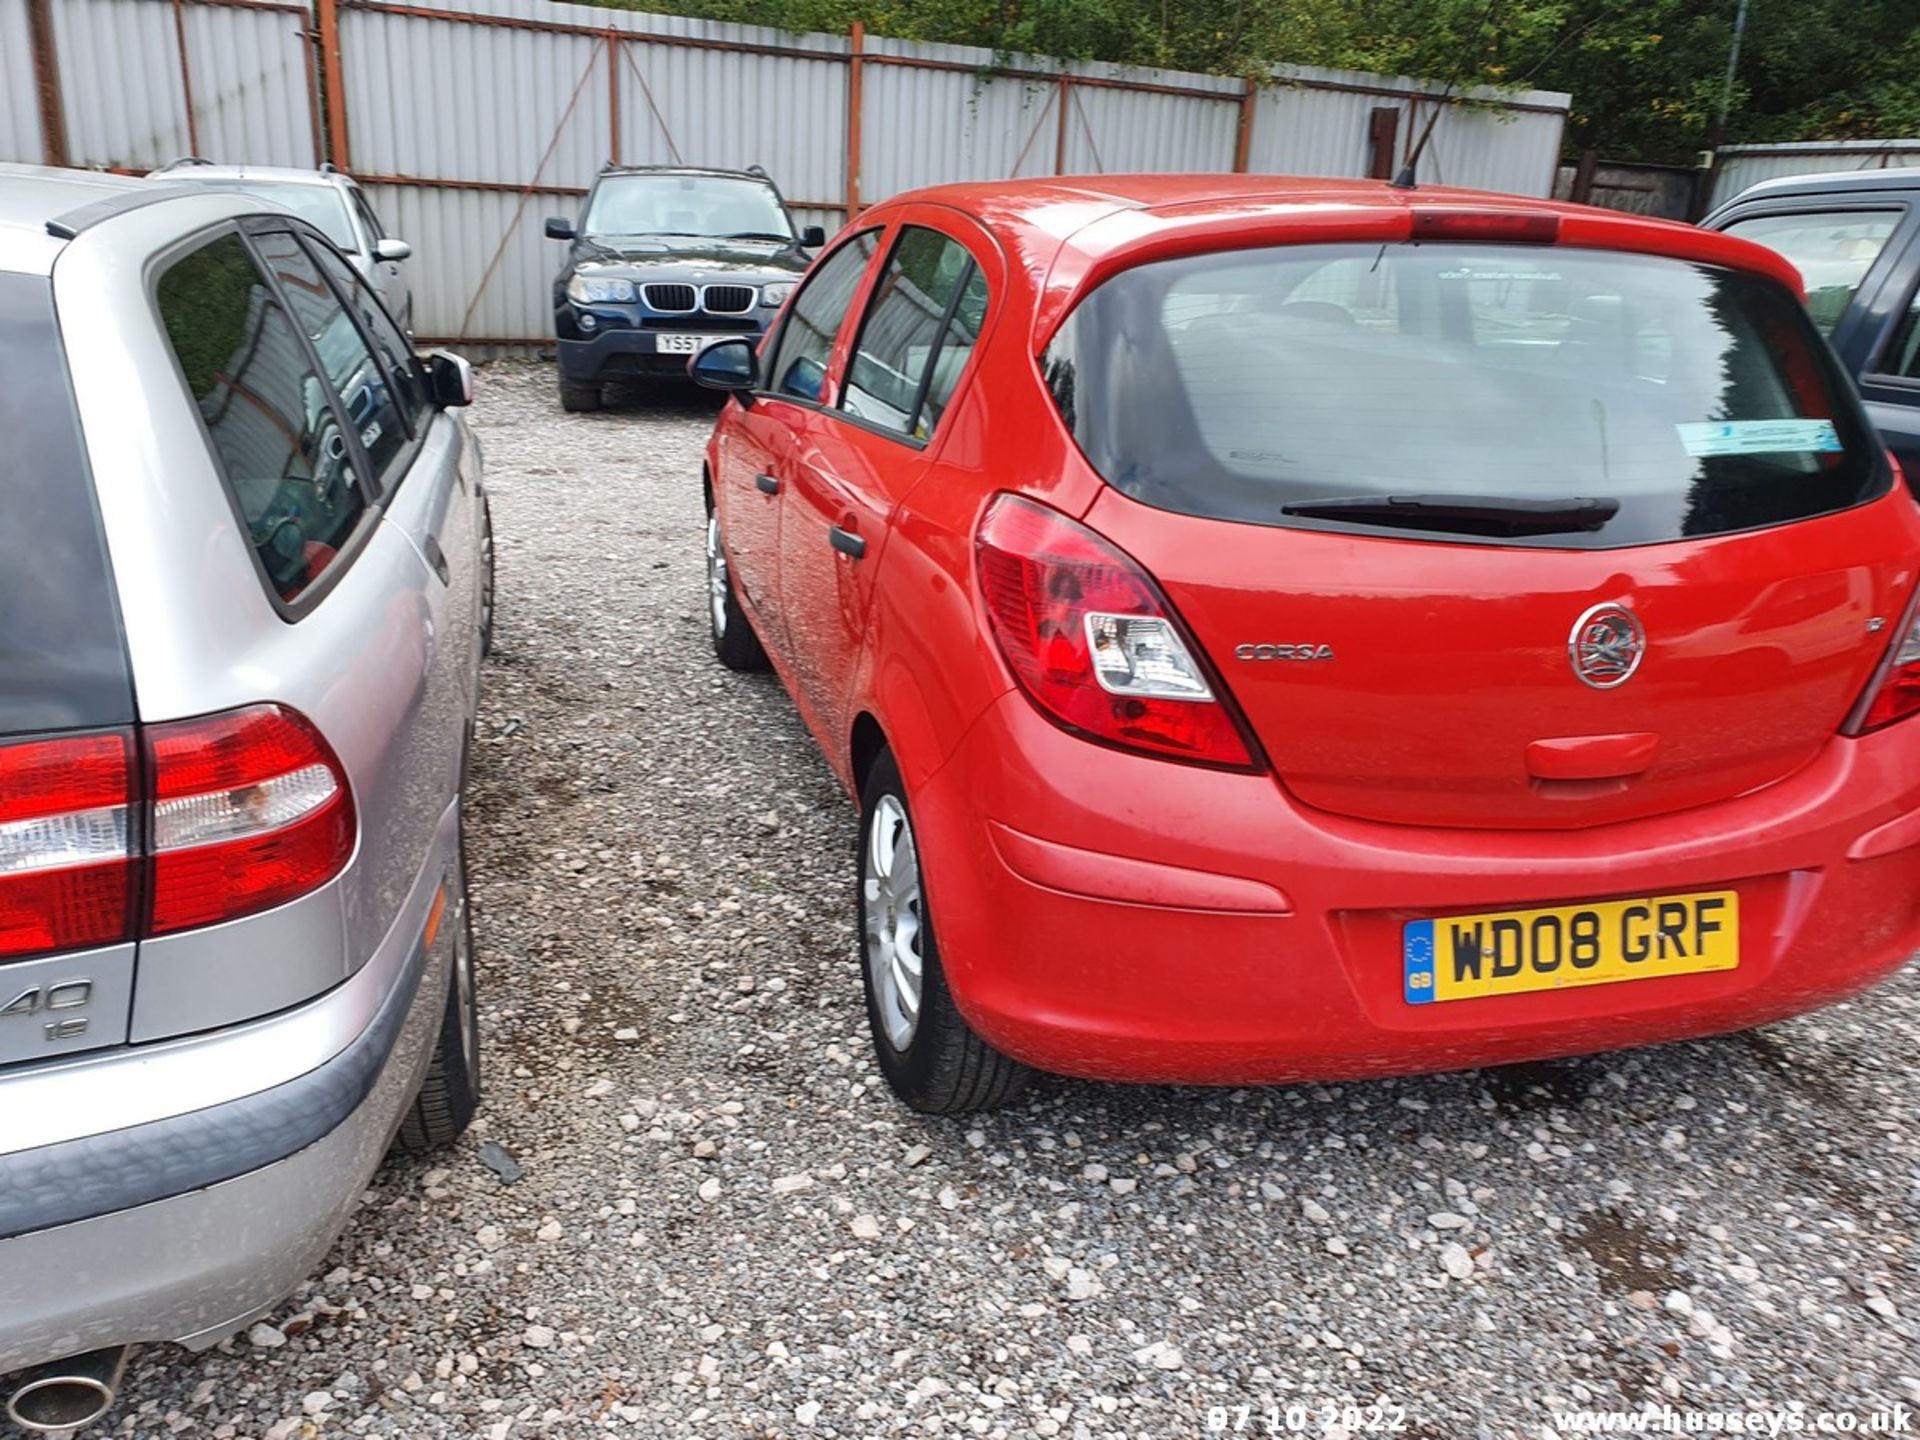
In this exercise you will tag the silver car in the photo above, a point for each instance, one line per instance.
(246, 575)
(333, 201)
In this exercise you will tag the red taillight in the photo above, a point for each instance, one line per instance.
(250, 809)
(1520, 227)
(1092, 642)
(1894, 692)
(66, 876)
(244, 810)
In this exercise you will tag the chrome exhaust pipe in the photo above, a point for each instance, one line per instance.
(67, 1393)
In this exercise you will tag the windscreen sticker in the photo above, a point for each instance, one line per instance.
(1759, 437)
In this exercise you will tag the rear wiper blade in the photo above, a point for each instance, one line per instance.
(1466, 514)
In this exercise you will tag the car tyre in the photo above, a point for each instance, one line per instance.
(929, 1054)
(450, 1093)
(734, 641)
(577, 396)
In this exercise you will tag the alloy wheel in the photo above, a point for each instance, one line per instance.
(891, 887)
(716, 577)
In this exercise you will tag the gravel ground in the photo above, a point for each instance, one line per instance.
(727, 1228)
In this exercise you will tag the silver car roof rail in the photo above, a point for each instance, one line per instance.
(73, 223)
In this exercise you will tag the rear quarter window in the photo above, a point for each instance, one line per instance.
(268, 409)
(1678, 399)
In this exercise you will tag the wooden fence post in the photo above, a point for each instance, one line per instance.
(46, 75)
(856, 105)
(1243, 138)
(333, 76)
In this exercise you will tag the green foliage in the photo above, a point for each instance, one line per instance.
(1646, 76)
(204, 306)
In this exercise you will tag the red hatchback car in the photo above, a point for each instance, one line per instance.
(1296, 629)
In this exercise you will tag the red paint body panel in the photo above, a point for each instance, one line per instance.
(1451, 659)
(1123, 916)
(1118, 991)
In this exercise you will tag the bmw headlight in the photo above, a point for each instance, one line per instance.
(599, 290)
(772, 295)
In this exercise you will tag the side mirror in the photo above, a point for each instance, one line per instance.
(813, 237)
(449, 379)
(391, 250)
(559, 228)
(726, 365)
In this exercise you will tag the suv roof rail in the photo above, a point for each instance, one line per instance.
(183, 160)
(71, 224)
(327, 167)
(759, 170)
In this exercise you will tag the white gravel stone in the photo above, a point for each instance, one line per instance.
(1160, 1355)
(1455, 1260)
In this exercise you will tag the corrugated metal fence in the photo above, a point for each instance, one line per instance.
(471, 120)
(1741, 166)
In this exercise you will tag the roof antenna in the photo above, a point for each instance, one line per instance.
(1405, 179)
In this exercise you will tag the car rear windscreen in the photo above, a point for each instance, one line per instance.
(1519, 394)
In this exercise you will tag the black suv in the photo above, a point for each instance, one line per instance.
(1855, 237)
(665, 260)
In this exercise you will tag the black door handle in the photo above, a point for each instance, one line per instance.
(846, 542)
(766, 484)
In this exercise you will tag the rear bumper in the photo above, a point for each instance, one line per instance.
(185, 1227)
(620, 352)
(1119, 917)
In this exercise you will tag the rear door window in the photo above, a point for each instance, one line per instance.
(1832, 249)
(804, 346)
(398, 364)
(963, 331)
(1521, 394)
(903, 331)
(362, 382)
(280, 441)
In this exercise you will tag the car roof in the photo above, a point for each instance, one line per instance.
(611, 170)
(31, 195)
(1073, 230)
(280, 174)
(1834, 182)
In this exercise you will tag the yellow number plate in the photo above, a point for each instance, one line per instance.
(1509, 952)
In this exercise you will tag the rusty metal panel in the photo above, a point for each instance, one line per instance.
(19, 110)
(124, 87)
(1121, 131)
(931, 127)
(1743, 166)
(1315, 121)
(784, 113)
(456, 236)
(253, 84)
(510, 105)
(120, 82)
(490, 98)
